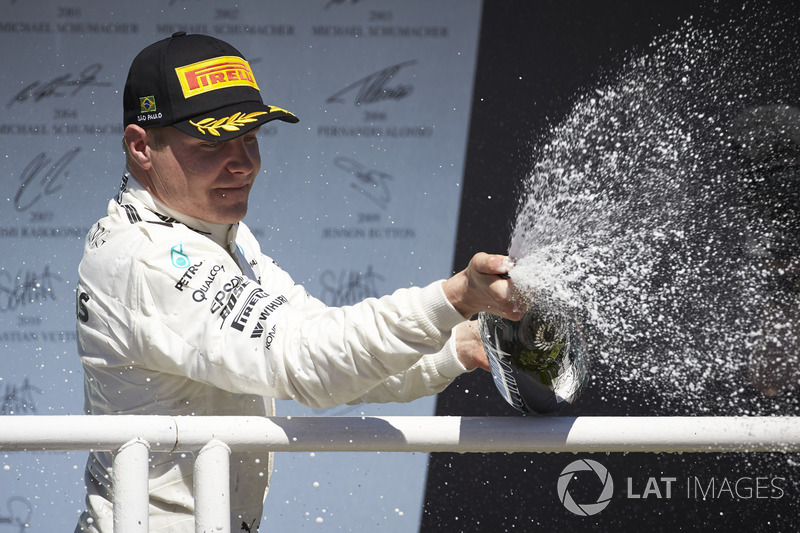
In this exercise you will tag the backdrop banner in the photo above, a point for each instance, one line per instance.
(358, 199)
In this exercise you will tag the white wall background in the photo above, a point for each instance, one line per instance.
(358, 199)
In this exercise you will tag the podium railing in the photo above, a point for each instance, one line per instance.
(212, 439)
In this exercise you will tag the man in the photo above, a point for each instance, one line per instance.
(180, 313)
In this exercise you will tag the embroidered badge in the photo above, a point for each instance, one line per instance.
(213, 74)
(232, 123)
(147, 104)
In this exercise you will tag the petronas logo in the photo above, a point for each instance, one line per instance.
(179, 259)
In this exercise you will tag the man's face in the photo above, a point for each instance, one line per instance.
(205, 179)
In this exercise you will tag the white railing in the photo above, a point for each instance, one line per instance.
(213, 438)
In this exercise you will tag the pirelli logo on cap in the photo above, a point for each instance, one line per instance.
(213, 74)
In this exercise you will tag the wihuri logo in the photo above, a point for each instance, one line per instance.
(590, 508)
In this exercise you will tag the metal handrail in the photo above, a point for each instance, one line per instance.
(405, 433)
(212, 439)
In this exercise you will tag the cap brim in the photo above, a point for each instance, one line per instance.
(229, 122)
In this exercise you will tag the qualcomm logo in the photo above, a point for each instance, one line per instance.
(591, 508)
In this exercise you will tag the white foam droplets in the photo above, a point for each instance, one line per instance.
(645, 211)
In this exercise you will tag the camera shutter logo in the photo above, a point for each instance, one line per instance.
(585, 509)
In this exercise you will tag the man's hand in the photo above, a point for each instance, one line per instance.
(484, 286)
(469, 346)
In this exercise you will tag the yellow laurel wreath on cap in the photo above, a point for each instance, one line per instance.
(231, 123)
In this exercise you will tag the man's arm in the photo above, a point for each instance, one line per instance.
(433, 372)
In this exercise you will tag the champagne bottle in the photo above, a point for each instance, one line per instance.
(538, 363)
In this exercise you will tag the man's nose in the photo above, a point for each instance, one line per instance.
(242, 158)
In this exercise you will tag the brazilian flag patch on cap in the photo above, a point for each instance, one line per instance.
(147, 104)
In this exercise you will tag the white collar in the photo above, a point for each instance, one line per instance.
(222, 234)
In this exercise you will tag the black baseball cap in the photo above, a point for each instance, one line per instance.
(199, 84)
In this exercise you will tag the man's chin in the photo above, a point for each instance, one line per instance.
(226, 214)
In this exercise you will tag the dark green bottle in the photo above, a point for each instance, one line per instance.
(539, 362)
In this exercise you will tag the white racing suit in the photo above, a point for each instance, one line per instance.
(177, 316)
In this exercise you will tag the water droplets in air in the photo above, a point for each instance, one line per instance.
(665, 209)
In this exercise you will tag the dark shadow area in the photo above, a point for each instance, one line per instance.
(365, 430)
(534, 58)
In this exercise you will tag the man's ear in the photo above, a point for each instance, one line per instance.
(136, 143)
